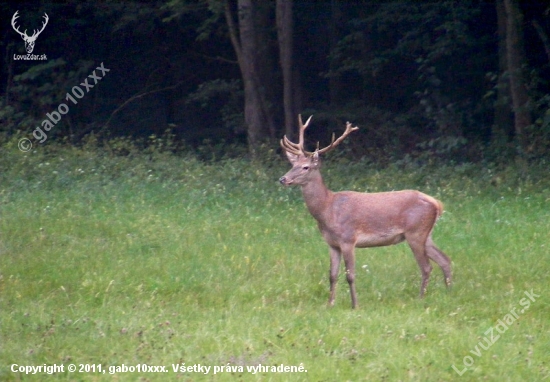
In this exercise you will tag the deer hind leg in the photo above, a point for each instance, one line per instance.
(348, 252)
(333, 273)
(441, 259)
(418, 247)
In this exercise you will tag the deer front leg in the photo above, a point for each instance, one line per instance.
(348, 252)
(333, 273)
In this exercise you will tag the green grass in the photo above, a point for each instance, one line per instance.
(111, 258)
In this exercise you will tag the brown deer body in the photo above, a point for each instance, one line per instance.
(349, 220)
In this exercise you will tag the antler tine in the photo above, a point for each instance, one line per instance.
(13, 24)
(349, 129)
(303, 128)
(297, 148)
(291, 147)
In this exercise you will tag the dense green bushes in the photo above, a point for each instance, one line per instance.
(55, 165)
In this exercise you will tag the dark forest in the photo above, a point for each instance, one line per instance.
(463, 81)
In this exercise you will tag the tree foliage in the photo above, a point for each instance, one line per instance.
(423, 79)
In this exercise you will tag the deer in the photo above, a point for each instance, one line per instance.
(29, 40)
(349, 219)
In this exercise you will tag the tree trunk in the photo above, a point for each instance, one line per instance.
(258, 119)
(543, 37)
(284, 34)
(334, 82)
(516, 59)
(502, 126)
(266, 61)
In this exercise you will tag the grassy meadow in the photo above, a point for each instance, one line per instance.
(117, 255)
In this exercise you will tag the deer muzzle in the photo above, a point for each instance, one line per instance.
(284, 181)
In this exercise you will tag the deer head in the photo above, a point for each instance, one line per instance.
(305, 163)
(29, 40)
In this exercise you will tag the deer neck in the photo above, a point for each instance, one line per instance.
(316, 195)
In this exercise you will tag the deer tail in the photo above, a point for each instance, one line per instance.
(437, 204)
(439, 208)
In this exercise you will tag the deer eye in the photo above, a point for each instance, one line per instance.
(306, 167)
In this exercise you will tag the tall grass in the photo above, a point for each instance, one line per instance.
(118, 255)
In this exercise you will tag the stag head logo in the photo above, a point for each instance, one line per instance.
(29, 40)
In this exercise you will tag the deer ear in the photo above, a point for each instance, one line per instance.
(315, 158)
(291, 157)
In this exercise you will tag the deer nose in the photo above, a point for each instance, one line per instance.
(282, 180)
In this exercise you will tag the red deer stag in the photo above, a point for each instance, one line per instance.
(350, 219)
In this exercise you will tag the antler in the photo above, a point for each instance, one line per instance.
(46, 18)
(334, 143)
(24, 34)
(15, 16)
(298, 148)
